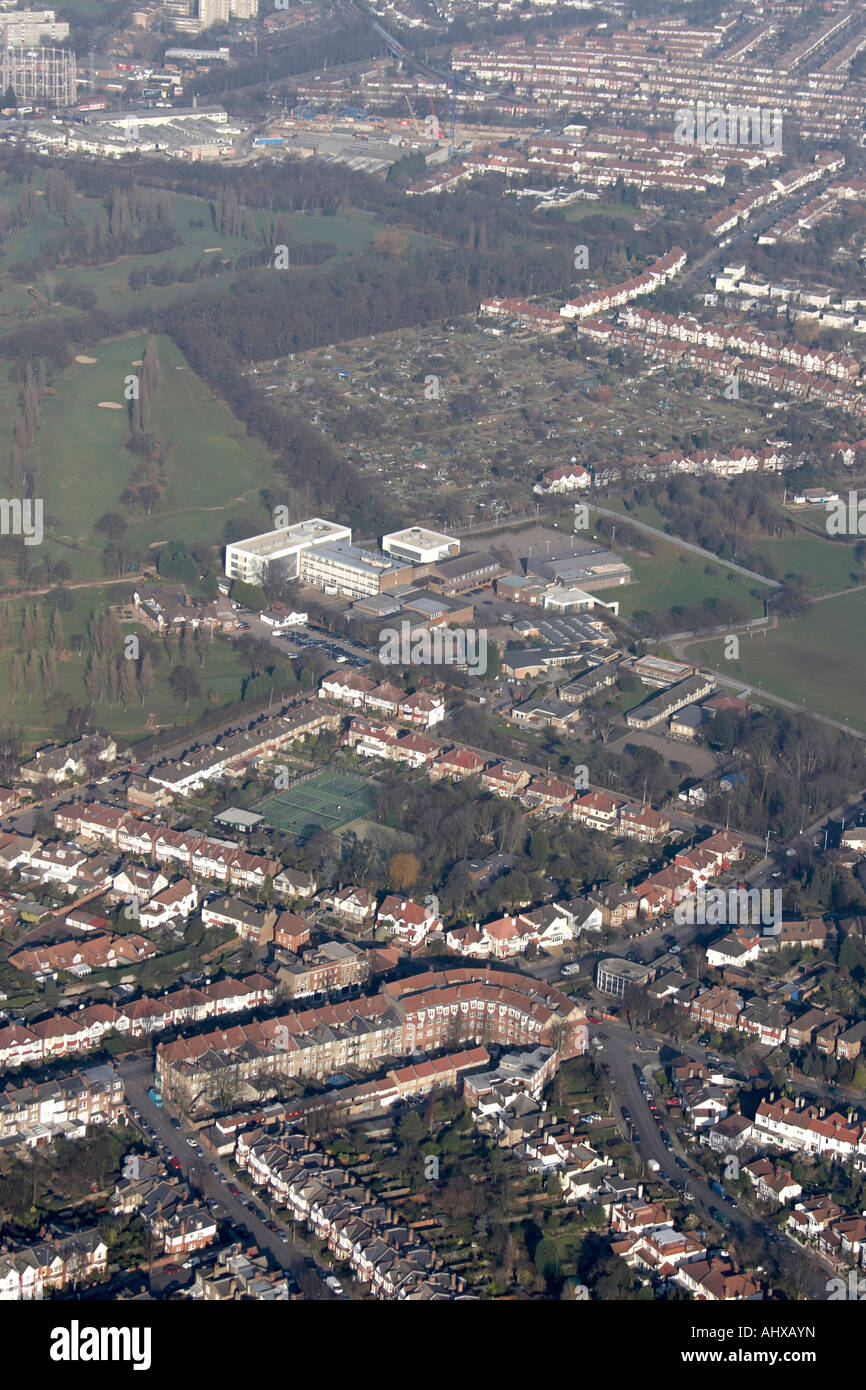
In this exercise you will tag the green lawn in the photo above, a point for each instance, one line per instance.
(817, 658)
(830, 563)
(350, 231)
(674, 576)
(82, 465)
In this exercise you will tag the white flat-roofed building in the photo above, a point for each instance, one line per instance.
(215, 115)
(249, 559)
(418, 544)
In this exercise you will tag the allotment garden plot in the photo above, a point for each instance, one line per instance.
(328, 801)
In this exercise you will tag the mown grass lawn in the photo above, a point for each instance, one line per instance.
(82, 465)
(817, 659)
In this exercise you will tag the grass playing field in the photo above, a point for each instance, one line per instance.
(816, 659)
(327, 802)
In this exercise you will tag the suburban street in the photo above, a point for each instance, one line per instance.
(287, 1248)
(621, 1050)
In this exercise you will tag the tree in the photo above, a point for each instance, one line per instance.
(145, 676)
(185, 684)
(403, 870)
(112, 525)
(249, 596)
(49, 673)
(175, 562)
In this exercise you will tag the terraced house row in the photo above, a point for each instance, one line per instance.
(51, 1265)
(645, 76)
(185, 850)
(64, 1035)
(357, 1226)
(424, 1013)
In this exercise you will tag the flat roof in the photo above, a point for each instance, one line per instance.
(236, 815)
(420, 536)
(311, 532)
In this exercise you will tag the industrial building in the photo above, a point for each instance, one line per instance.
(588, 567)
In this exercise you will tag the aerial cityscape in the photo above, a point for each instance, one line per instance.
(432, 779)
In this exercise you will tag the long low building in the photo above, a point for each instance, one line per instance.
(424, 1013)
(667, 702)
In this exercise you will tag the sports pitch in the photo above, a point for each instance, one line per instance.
(327, 802)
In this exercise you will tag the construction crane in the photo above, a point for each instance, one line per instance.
(435, 123)
(454, 81)
(450, 79)
(416, 124)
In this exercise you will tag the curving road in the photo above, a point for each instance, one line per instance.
(621, 1051)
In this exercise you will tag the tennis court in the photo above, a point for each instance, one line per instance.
(328, 801)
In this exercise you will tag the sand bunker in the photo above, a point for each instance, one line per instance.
(208, 249)
(86, 360)
(109, 405)
(138, 362)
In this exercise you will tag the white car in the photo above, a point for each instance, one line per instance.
(333, 1284)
